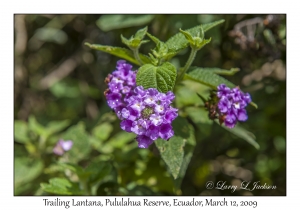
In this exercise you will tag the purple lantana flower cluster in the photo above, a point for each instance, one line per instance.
(146, 112)
(232, 104)
(149, 115)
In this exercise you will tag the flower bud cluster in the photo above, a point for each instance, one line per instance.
(146, 112)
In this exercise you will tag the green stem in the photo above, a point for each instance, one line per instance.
(187, 65)
(136, 55)
(42, 143)
(86, 188)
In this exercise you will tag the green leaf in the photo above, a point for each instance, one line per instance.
(81, 142)
(125, 40)
(110, 22)
(122, 139)
(177, 152)
(120, 52)
(179, 42)
(81, 173)
(61, 186)
(21, 131)
(102, 131)
(188, 153)
(200, 118)
(198, 115)
(160, 53)
(242, 133)
(98, 171)
(161, 50)
(186, 97)
(65, 88)
(136, 41)
(36, 127)
(209, 78)
(172, 153)
(219, 71)
(26, 170)
(72, 167)
(187, 35)
(160, 77)
(153, 38)
(94, 172)
(140, 34)
(197, 41)
(56, 126)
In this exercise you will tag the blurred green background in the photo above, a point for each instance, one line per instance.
(58, 93)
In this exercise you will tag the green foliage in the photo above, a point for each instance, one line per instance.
(207, 77)
(186, 97)
(136, 41)
(160, 52)
(160, 77)
(198, 115)
(102, 131)
(121, 139)
(220, 71)
(56, 126)
(98, 171)
(93, 173)
(279, 143)
(36, 127)
(244, 134)
(178, 42)
(179, 149)
(21, 131)
(65, 89)
(81, 144)
(172, 153)
(110, 22)
(120, 52)
(197, 41)
(61, 186)
(154, 39)
(26, 170)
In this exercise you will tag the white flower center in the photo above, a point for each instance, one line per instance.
(237, 105)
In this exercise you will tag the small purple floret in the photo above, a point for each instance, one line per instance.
(223, 91)
(144, 141)
(62, 146)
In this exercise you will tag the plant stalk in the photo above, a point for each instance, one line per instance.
(136, 55)
(85, 187)
(187, 65)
